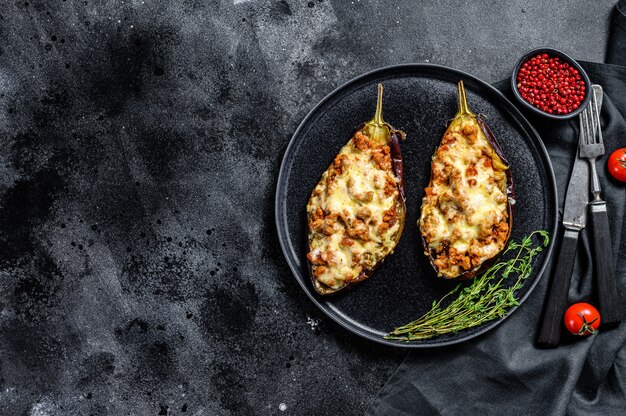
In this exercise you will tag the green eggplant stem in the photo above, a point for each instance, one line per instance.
(378, 116)
(376, 129)
(463, 106)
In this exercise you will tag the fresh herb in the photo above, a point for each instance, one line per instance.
(484, 300)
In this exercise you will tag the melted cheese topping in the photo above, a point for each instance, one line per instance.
(354, 214)
(464, 217)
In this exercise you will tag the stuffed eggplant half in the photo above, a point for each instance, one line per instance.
(466, 215)
(356, 211)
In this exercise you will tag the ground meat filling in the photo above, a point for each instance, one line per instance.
(465, 219)
(353, 213)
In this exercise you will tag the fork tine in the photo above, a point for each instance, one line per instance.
(592, 117)
(590, 126)
(599, 139)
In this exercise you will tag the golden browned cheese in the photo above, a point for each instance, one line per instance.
(465, 216)
(353, 213)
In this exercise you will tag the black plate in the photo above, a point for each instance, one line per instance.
(419, 99)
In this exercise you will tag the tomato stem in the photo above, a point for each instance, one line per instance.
(586, 326)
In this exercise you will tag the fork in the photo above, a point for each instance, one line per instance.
(592, 147)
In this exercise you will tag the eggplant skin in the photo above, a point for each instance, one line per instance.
(394, 169)
(398, 162)
(497, 239)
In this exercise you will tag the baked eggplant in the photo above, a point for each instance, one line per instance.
(356, 211)
(467, 214)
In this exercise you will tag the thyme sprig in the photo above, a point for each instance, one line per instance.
(484, 300)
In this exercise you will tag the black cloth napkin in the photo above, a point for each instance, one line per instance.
(504, 372)
(615, 51)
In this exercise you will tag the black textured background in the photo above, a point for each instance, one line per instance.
(139, 147)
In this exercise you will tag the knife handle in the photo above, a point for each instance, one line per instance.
(550, 332)
(608, 295)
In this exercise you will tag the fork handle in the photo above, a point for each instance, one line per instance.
(550, 332)
(605, 265)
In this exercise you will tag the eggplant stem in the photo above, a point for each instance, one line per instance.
(378, 115)
(463, 106)
(376, 129)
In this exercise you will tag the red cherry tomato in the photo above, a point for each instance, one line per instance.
(582, 319)
(617, 164)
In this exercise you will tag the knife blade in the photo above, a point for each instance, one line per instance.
(577, 195)
(574, 219)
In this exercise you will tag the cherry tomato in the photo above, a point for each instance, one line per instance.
(617, 164)
(582, 319)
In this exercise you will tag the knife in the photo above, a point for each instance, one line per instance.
(574, 220)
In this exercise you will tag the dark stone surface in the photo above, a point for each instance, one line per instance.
(139, 146)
